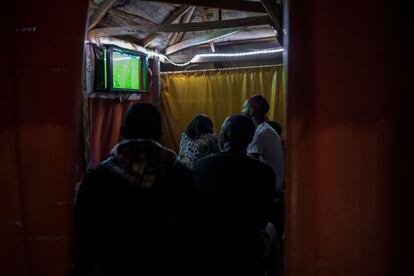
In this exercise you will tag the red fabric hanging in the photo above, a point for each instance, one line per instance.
(105, 117)
(40, 113)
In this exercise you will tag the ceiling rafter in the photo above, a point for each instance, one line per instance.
(185, 27)
(272, 9)
(100, 12)
(125, 15)
(239, 5)
(185, 19)
(209, 31)
(170, 19)
(202, 39)
(205, 18)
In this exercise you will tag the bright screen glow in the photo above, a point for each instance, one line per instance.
(126, 71)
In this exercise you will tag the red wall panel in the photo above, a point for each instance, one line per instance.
(41, 120)
(12, 257)
(345, 121)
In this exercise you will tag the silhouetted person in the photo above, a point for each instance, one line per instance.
(135, 211)
(237, 196)
(266, 145)
(198, 140)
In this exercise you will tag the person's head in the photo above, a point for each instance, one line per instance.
(142, 121)
(256, 107)
(276, 126)
(201, 124)
(236, 134)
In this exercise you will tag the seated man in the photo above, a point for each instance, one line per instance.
(266, 145)
(237, 194)
(134, 210)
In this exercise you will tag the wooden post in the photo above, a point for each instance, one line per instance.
(156, 80)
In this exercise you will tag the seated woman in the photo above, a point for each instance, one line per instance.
(198, 140)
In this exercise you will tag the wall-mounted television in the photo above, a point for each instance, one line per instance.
(119, 70)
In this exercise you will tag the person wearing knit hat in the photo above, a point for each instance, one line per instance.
(256, 106)
(266, 145)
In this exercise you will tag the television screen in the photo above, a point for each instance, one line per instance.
(126, 71)
(120, 70)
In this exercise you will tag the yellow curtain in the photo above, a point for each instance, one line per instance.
(219, 94)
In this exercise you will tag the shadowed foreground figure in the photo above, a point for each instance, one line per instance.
(237, 194)
(135, 212)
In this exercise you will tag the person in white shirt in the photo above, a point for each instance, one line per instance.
(266, 145)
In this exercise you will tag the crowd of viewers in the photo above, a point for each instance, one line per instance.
(213, 209)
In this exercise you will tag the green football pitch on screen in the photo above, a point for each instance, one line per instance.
(126, 71)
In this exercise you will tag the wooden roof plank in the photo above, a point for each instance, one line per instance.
(272, 9)
(238, 5)
(125, 15)
(206, 38)
(185, 19)
(97, 16)
(185, 27)
(170, 19)
(205, 18)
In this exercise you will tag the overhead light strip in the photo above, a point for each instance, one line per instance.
(197, 57)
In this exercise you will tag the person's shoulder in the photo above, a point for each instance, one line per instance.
(96, 177)
(209, 159)
(95, 182)
(261, 131)
(94, 173)
(180, 178)
(259, 166)
(266, 133)
(99, 171)
(178, 172)
(266, 129)
(181, 168)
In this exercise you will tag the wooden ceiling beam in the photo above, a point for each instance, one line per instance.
(205, 18)
(202, 39)
(264, 42)
(170, 19)
(97, 16)
(261, 42)
(272, 57)
(185, 19)
(125, 15)
(273, 10)
(185, 27)
(254, 41)
(238, 5)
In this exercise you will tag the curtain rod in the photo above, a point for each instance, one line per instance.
(221, 69)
